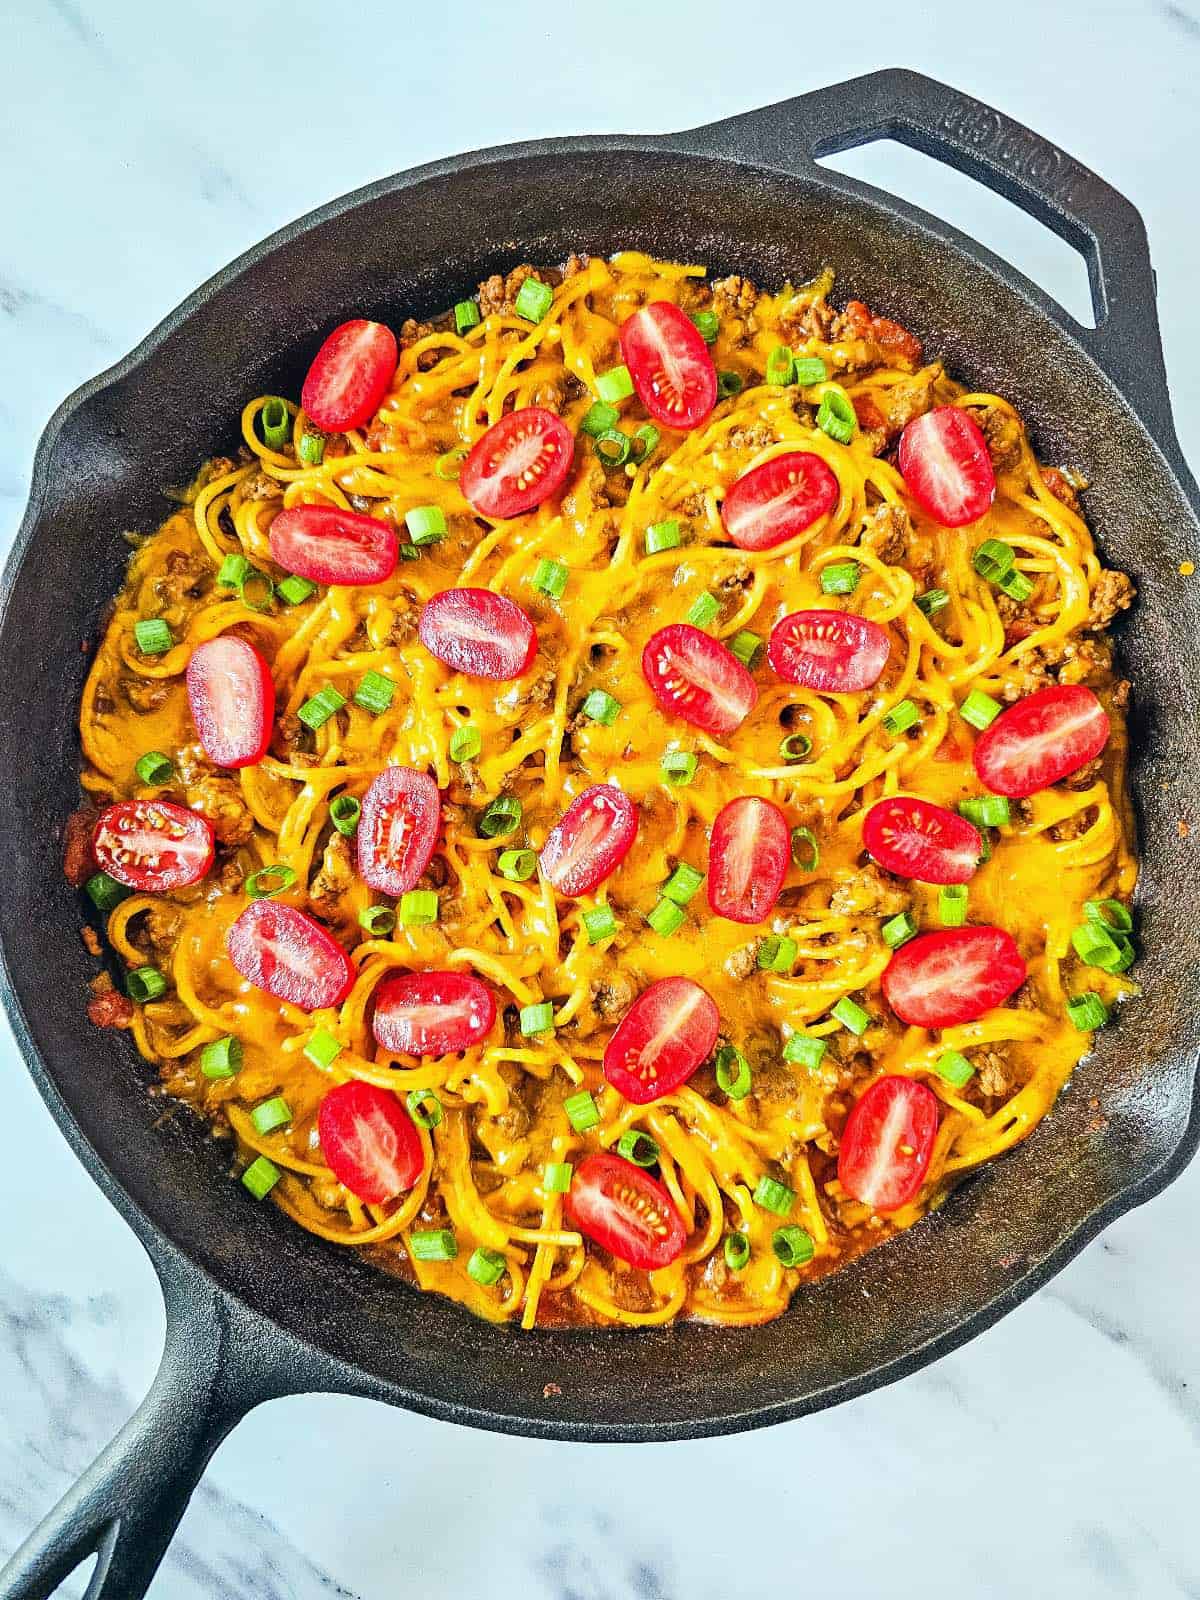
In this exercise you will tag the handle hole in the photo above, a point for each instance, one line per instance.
(995, 222)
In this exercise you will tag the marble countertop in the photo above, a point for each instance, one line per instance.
(144, 147)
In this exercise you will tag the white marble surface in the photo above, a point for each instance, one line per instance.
(143, 146)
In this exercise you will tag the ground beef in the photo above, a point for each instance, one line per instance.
(146, 694)
(630, 1289)
(575, 264)
(743, 961)
(1063, 486)
(1120, 693)
(887, 532)
(109, 1009)
(538, 692)
(734, 297)
(498, 294)
(859, 322)
(756, 437)
(869, 891)
(1003, 435)
(333, 878)
(1072, 827)
(994, 1073)
(220, 800)
(412, 332)
(78, 861)
(911, 397)
(612, 996)
(231, 876)
(91, 941)
(1112, 592)
(261, 486)
(808, 320)
(1086, 775)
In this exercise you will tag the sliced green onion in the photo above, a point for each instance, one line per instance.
(517, 865)
(729, 384)
(425, 1108)
(448, 465)
(662, 536)
(221, 1058)
(466, 316)
(612, 447)
(733, 1072)
(502, 817)
(1095, 945)
(374, 692)
(425, 524)
(556, 1179)
(537, 1018)
(793, 1246)
(276, 423)
(952, 905)
(295, 590)
(465, 743)
(418, 908)
(322, 1049)
(599, 419)
(682, 884)
(807, 370)
(851, 1016)
(993, 559)
(796, 747)
(318, 708)
(550, 577)
(582, 1111)
(257, 590)
(902, 717)
(979, 709)
(806, 852)
(666, 919)
(1087, 1011)
(708, 324)
(409, 552)
(232, 572)
(105, 892)
(145, 983)
(986, 810)
(954, 1068)
(679, 767)
(836, 415)
(260, 1177)
(533, 300)
(1109, 914)
(737, 1251)
(599, 923)
(805, 1050)
(153, 636)
(311, 449)
(486, 1267)
(1016, 586)
(747, 647)
(377, 920)
(841, 577)
(773, 1196)
(780, 366)
(267, 881)
(645, 441)
(614, 385)
(344, 812)
(638, 1147)
(271, 1114)
(599, 706)
(932, 600)
(776, 953)
(703, 610)
(899, 930)
(433, 1244)
(153, 768)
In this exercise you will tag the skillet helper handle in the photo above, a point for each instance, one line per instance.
(1008, 158)
(128, 1504)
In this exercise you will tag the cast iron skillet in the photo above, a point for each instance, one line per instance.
(256, 1308)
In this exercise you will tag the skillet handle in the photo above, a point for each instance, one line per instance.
(128, 1504)
(1008, 158)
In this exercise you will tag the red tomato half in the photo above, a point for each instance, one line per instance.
(349, 376)
(399, 826)
(695, 677)
(432, 1013)
(328, 545)
(290, 955)
(152, 845)
(887, 1143)
(669, 363)
(939, 980)
(1041, 740)
(834, 652)
(946, 468)
(625, 1211)
(748, 857)
(660, 1041)
(478, 633)
(232, 699)
(369, 1141)
(520, 461)
(778, 500)
(916, 839)
(590, 842)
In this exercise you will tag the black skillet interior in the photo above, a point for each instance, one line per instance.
(742, 195)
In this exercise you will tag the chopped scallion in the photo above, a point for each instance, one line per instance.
(733, 1072)
(465, 743)
(773, 1196)
(418, 908)
(599, 924)
(638, 1147)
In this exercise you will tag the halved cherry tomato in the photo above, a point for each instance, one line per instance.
(660, 1041)
(944, 461)
(397, 829)
(1041, 740)
(938, 980)
(778, 500)
(625, 1211)
(695, 677)
(369, 1141)
(328, 545)
(834, 652)
(520, 461)
(290, 955)
(479, 633)
(591, 840)
(232, 699)
(349, 376)
(152, 845)
(670, 365)
(748, 857)
(916, 839)
(432, 1013)
(887, 1143)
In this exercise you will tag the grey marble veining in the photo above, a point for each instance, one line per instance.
(143, 147)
